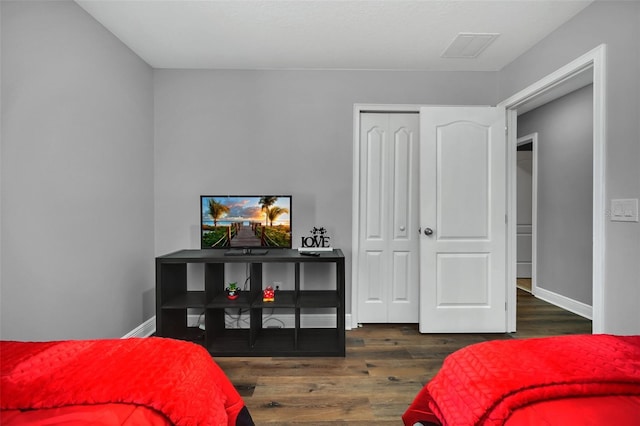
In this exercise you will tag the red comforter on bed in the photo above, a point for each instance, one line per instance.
(484, 384)
(176, 378)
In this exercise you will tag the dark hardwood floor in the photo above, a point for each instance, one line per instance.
(385, 367)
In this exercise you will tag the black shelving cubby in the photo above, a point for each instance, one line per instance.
(173, 301)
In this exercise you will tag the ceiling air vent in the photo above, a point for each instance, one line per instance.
(469, 45)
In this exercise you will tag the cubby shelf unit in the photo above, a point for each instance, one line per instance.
(174, 300)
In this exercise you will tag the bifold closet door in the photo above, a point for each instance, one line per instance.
(388, 285)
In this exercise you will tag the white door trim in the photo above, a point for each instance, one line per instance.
(595, 60)
(355, 211)
(533, 138)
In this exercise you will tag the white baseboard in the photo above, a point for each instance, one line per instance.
(280, 321)
(145, 329)
(523, 269)
(148, 327)
(564, 302)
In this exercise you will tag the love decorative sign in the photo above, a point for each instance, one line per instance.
(318, 239)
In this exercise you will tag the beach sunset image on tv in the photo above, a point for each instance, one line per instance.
(245, 221)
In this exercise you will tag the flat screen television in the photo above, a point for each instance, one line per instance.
(245, 222)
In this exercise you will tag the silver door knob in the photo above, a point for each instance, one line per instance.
(428, 231)
(402, 228)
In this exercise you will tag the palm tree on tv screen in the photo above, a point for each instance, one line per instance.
(266, 203)
(217, 210)
(275, 212)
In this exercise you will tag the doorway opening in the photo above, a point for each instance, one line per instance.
(588, 68)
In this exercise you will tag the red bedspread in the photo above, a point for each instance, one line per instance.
(176, 378)
(484, 384)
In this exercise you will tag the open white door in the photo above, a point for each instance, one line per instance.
(462, 219)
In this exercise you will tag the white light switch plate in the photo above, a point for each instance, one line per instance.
(624, 210)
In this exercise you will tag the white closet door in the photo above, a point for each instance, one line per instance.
(388, 287)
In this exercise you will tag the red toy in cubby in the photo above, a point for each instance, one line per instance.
(268, 294)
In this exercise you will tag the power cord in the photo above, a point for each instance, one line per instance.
(248, 275)
(270, 317)
(200, 322)
(236, 320)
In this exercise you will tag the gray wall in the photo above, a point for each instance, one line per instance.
(618, 25)
(524, 190)
(77, 177)
(565, 200)
(244, 132)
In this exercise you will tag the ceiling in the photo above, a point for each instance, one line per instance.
(327, 34)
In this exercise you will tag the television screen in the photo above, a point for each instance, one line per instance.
(229, 221)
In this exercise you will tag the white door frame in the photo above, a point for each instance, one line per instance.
(594, 60)
(355, 217)
(533, 139)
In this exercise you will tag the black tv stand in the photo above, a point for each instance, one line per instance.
(246, 252)
(174, 302)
